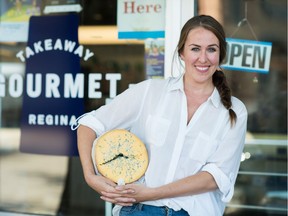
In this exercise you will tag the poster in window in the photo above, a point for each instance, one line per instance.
(14, 19)
(154, 58)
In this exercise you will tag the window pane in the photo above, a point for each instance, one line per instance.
(261, 187)
(51, 185)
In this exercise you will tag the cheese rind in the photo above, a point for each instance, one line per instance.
(119, 154)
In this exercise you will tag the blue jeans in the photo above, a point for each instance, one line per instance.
(148, 210)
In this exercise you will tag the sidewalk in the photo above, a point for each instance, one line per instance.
(15, 214)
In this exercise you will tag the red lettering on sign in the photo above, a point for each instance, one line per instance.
(130, 7)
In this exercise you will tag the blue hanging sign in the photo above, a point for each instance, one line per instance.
(248, 55)
(54, 86)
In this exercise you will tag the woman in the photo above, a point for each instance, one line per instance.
(193, 129)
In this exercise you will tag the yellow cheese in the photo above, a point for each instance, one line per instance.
(120, 156)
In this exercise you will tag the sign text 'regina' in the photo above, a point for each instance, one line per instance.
(248, 55)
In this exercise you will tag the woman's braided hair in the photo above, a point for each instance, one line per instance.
(219, 78)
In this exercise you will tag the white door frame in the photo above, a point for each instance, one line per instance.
(177, 13)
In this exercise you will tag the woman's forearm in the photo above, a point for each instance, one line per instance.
(192, 185)
(199, 183)
(85, 138)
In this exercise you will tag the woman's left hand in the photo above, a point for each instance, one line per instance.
(126, 195)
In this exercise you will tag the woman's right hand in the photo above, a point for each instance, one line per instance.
(100, 183)
(107, 189)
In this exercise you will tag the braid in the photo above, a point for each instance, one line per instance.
(219, 80)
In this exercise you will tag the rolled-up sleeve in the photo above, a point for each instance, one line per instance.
(121, 112)
(90, 120)
(224, 182)
(225, 162)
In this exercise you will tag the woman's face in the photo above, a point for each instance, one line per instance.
(201, 55)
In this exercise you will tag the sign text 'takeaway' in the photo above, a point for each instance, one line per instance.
(48, 45)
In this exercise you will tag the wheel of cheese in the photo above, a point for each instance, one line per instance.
(120, 156)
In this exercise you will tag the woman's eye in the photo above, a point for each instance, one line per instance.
(211, 49)
(195, 49)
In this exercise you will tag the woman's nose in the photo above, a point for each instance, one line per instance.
(202, 57)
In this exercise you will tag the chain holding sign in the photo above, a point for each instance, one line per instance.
(247, 55)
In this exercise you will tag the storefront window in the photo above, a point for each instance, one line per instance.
(48, 184)
(261, 188)
(54, 185)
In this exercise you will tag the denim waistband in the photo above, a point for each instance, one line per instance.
(140, 209)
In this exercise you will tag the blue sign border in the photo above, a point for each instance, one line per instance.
(141, 34)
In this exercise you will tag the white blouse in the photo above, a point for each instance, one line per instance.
(156, 111)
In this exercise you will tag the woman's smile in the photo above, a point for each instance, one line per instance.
(202, 68)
